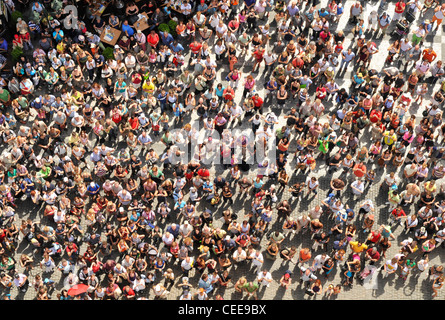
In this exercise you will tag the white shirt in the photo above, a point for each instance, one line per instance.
(368, 205)
(257, 260)
(269, 58)
(220, 49)
(239, 256)
(361, 187)
(18, 281)
(264, 277)
(405, 46)
(311, 183)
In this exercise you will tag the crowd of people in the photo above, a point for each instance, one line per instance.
(81, 124)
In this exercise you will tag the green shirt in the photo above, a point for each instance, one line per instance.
(5, 96)
(323, 147)
(45, 172)
(251, 288)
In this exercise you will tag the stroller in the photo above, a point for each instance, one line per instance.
(366, 274)
(402, 29)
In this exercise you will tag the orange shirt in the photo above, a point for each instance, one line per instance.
(429, 55)
(357, 172)
(305, 256)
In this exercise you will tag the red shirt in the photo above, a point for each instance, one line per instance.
(195, 47)
(134, 122)
(130, 292)
(375, 116)
(153, 39)
(374, 236)
(397, 213)
(321, 92)
(228, 94)
(338, 48)
(73, 249)
(359, 173)
(400, 7)
(203, 172)
(257, 101)
(259, 55)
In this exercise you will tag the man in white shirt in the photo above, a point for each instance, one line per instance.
(410, 172)
(269, 60)
(405, 47)
(124, 197)
(331, 88)
(239, 255)
(318, 262)
(168, 239)
(357, 187)
(187, 265)
(236, 112)
(185, 229)
(210, 63)
(130, 62)
(229, 37)
(186, 9)
(263, 132)
(257, 260)
(21, 282)
(264, 278)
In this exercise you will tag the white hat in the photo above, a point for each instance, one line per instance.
(81, 38)
(390, 98)
(139, 31)
(121, 209)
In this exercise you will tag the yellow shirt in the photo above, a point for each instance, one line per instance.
(356, 248)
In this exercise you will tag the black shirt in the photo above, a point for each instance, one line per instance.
(291, 121)
(334, 161)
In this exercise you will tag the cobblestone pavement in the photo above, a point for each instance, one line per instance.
(416, 287)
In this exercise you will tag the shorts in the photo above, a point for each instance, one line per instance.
(439, 21)
(416, 39)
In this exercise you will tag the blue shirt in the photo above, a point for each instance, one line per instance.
(219, 92)
(128, 29)
(166, 39)
(4, 45)
(58, 35)
(162, 98)
(175, 232)
(93, 190)
(177, 48)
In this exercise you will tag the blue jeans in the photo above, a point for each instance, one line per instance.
(343, 62)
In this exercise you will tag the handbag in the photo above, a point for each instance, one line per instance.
(309, 292)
